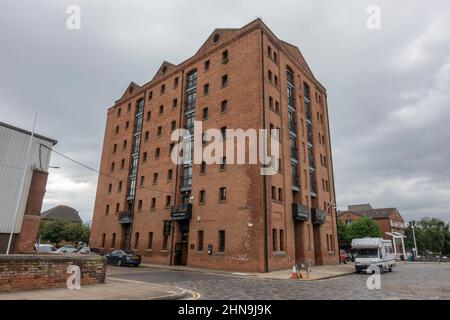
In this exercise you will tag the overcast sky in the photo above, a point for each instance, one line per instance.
(388, 89)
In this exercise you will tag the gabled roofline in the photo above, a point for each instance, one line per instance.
(251, 26)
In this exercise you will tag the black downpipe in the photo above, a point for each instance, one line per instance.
(266, 246)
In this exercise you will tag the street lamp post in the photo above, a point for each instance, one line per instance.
(413, 227)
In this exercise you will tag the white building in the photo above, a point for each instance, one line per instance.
(13, 150)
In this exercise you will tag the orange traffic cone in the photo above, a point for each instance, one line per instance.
(294, 275)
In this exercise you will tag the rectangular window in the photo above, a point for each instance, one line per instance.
(224, 106)
(270, 76)
(223, 130)
(117, 207)
(129, 107)
(161, 109)
(112, 166)
(119, 111)
(173, 125)
(168, 199)
(275, 56)
(149, 115)
(119, 186)
(136, 240)
(125, 144)
(107, 210)
(165, 242)
(142, 180)
(206, 89)
(113, 241)
(110, 188)
(281, 240)
(202, 197)
(157, 152)
(175, 82)
(274, 240)
(222, 194)
(115, 148)
(224, 80)
(222, 241)
(269, 51)
(207, 65)
(150, 241)
(150, 95)
(200, 240)
(274, 193)
(225, 56)
(139, 205)
(203, 167)
(103, 240)
(155, 177)
(153, 203)
(223, 163)
(144, 156)
(271, 103)
(276, 80)
(205, 113)
(163, 89)
(174, 103)
(169, 175)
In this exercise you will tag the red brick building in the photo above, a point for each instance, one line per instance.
(389, 219)
(221, 216)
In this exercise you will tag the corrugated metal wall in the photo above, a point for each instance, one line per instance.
(13, 149)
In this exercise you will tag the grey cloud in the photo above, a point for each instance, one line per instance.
(388, 97)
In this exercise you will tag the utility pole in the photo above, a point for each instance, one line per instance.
(22, 183)
(413, 227)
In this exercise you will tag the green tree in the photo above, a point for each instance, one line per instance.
(363, 227)
(77, 232)
(55, 231)
(431, 235)
(342, 233)
(52, 230)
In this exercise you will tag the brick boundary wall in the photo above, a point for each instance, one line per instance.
(25, 272)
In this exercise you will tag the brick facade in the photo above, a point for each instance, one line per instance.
(30, 224)
(25, 272)
(260, 232)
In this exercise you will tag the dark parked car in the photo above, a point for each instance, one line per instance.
(123, 258)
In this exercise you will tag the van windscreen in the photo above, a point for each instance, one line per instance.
(367, 253)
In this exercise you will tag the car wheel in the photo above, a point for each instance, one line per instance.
(345, 261)
(390, 269)
(119, 262)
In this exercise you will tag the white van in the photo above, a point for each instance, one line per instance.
(373, 252)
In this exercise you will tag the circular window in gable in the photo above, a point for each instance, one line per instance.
(216, 38)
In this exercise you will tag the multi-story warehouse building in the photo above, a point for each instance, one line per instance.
(21, 216)
(224, 216)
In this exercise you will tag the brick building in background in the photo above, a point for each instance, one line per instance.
(13, 149)
(389, 219)
(221, 216)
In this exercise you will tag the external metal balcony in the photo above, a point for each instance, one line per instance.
(300, 212)
(318, 216)
(125, 217)
(181, 212)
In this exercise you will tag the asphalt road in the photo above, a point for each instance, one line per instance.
(408, 281)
